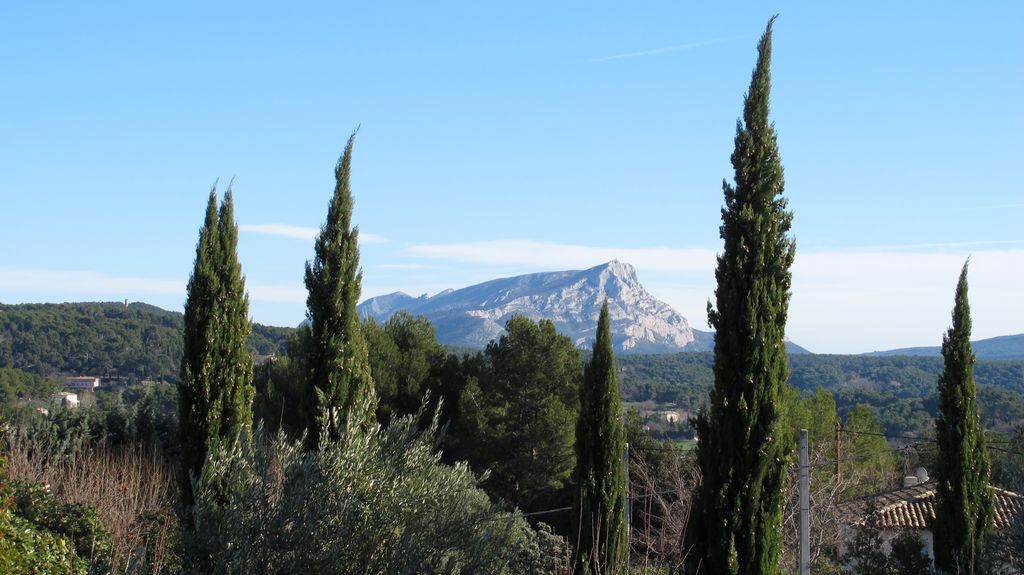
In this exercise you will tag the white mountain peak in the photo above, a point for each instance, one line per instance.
(474, 315)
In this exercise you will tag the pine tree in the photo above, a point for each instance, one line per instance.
(599, 507)
(215, 394)
(337, 360)
(963, 510)
(743, 443)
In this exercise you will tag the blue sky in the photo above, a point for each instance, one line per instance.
(499, 139)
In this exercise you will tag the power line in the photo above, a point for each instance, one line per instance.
(1000, 449)
(660, 448)
(919, 440)
(886, 435)
(546, 511)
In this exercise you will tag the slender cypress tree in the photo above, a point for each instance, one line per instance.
(743, 445)
(599, 507)
(197, 362)
(236, 390)
(337, 361)
(215, 394)
(964, 509)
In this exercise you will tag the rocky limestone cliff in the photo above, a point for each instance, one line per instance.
(473, 316)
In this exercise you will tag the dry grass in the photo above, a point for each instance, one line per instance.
(132, 490)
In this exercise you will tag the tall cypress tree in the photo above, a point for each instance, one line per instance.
(599, 507)
(236, 391)
(337, 361)
(964, 509)
(743, 445)
(215, 394)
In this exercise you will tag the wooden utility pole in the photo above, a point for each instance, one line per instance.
(839, 473)
(629, 508)
(805, 508)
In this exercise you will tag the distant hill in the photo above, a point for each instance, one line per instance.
(705, 341)
(472, 316)
(137, 341)
(1004, 347)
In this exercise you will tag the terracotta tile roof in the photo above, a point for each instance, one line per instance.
(914, 507)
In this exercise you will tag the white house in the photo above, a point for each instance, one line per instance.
(82, 383)
(913, 508)
(68, 399)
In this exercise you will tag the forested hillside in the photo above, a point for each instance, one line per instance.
(138, 341)
(141, 341)
(900, 388)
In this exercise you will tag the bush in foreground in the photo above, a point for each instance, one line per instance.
(375, 501)
(125, 492)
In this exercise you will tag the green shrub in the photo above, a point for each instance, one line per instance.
(77, 523)
(375, 501)
(26, 547)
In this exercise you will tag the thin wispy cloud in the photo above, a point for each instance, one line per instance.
(406, 266)
(294, 293)
(934, 246)
(78, 285)
(281, 230)
(997, 207)
(86, 282)
(366, 238)
(300, 232)
(658, 51)
(549, 255)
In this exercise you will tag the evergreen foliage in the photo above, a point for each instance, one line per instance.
(135, 342)
(528, 400)
(236, 390)
(509, 411)
(599, 505)
(215, 394)
(280, 388)
(744, 445)
(407, 363)
(963, 507)
(901, 389)
(337, 361)
(907, 555)
(868, 461)
(866, 553)
(21, 391)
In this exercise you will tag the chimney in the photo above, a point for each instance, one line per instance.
(910, 481)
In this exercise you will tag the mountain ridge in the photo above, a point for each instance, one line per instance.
(1003, 347)
(474, 315)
